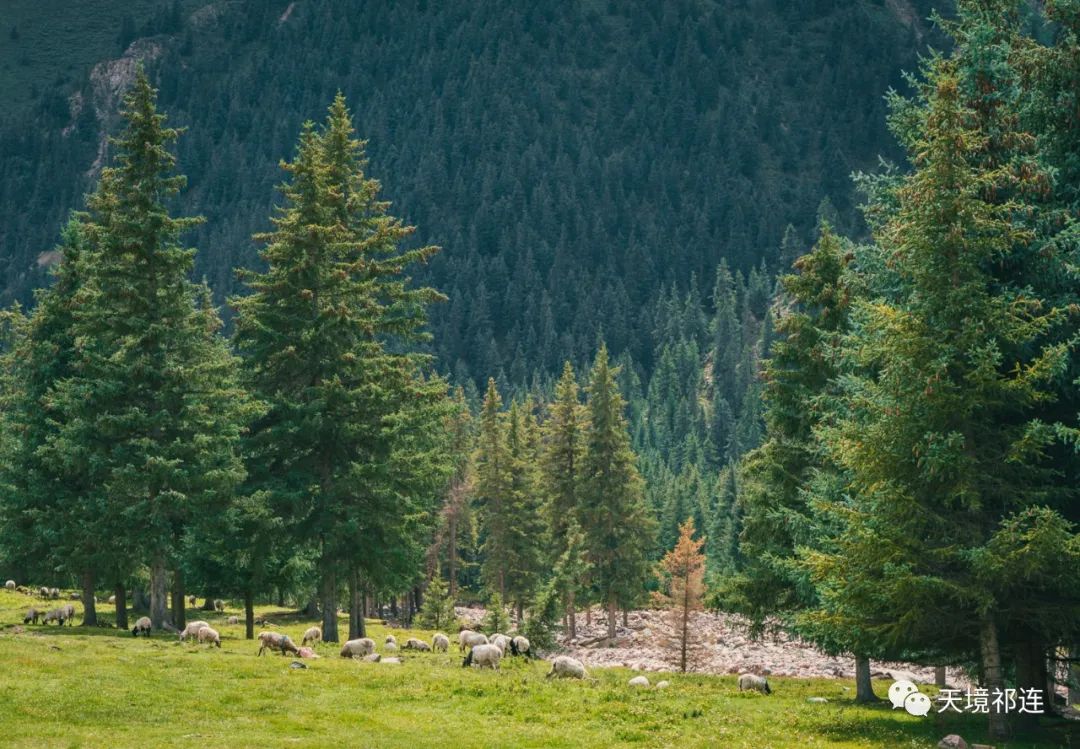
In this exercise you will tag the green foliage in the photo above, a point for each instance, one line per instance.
(438, 609)
(496, 619)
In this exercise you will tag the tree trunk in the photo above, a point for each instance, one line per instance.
(451, 554)
(418, 599)
(1074, 675)
(864, 687)
(571, 615)
(993, 677)
(940, 677)
(684, 628)
(121, 606)
(178, 600)
(1031, 674)
(625, 618)
(328, 596)
(393, 607)
(158, 598)
(281, 597)
(356, 607)
(89, 618)
(520, 613)
(612, 610)
(311, 610)
(249, 614)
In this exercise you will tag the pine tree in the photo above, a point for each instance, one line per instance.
(350, 448)
(438, 609)
(682, 577)
(149, 423)
(494, 478)
(617, 526)
(938, 435)
(561, 461)
(523, 506)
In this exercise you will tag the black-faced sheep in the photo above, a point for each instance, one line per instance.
(69, 613)
(483, 655)
(209, 634)
(520, 646)
(192, 629)
(565, 667)
(469, 639)
(358, 648)
(277, 641)
(754, 683)
(390, 640)
(142, 626)
(32, 615)
(43, 592)
(414, 644)
(56, 615)
(312, 634)
(440, 643)
(502, 642)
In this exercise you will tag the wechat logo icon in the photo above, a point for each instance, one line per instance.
(905, 694)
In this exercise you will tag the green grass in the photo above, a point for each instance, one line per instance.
(72, 687)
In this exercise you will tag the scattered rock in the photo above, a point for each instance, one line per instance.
(373, 658)
(817, 700)
(297, 664)
(390, 660)
(639, 681)
(952, 741)
(54, 647)
(663, 684)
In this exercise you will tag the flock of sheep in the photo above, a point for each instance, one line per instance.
(479, 649)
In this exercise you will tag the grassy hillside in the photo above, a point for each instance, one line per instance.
(69, 687)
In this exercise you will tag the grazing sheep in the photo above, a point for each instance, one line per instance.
(219, 605)
(233, 620)
(390, 647)
(74, 596)
(54, 593)
(69, 613)
(10, 585)
(313, 634)
(207, 634)
(32, 615)
(112, 600)
(638, 681)
(502, 642)
(483, 655)
(565, 667)
(142, 624)
(521, 646)
(192, 629)
(191, 600)
(754, 683)
(56, 615)
(374, 657)
(43, 592)
(358, 648)
(277, 641)
(663, 684)
(390, 640)
(469, 639)
(414, 644)
(440, 643)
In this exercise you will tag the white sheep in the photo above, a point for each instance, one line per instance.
(32, 615)
(313, 634)
(565, 667)
(233, 620)
(208, 634)
(440, 643)
(191, 600)
(54, 593)
(483, 655)
(192, 629)
(502, 642)
(663, 684)
(390, 640)
(373, 658)
(142, 624)
(754, 683)
(358, 648)
(112, 600)
(43, 592)
(69, 613)
(469, 639)
(414, 644)
(219, 605)
(520, 646)
(56, 615)
(10, 585)
(390, 647)
(277, 641)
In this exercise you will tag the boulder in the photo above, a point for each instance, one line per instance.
(663, 684)
(952, 741)
(639, 681)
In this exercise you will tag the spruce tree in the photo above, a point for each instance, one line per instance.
(350, 448)
(492, 498)
(618, 529)
(682, 573)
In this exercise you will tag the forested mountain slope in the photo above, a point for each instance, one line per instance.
(569, 157)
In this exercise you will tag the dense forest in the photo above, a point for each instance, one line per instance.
(670, 328)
